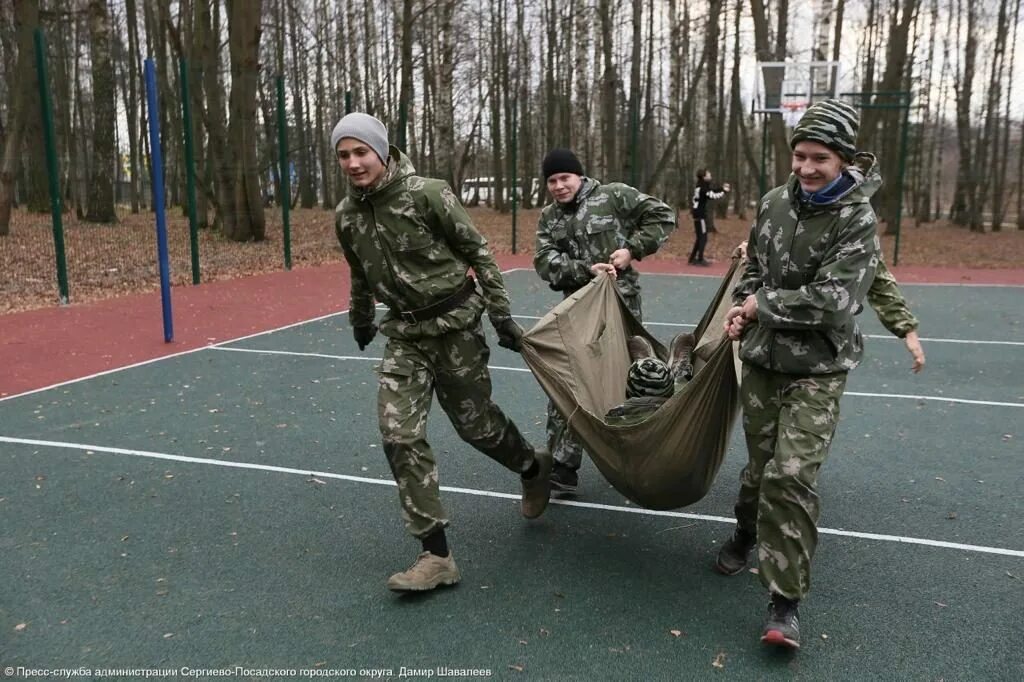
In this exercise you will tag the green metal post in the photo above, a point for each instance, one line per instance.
(761, 184)
(52, 168)
(634, 133)
(190, 170)
(515, 179)
(286, 189)
(906, 96)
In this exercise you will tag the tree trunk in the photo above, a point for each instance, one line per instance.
(963, 81)
(776, 128)
(246, 221)
(445, 96)
(609, 90)
(101, 181)
(26, 20)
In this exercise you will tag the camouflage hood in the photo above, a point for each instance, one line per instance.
(858, 183)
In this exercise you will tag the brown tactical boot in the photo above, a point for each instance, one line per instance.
(639, 348)
(680, 356)
(537, 490)
(426, 573)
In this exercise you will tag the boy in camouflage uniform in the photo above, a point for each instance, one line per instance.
(409, 244)
(591, 228)
(813, 252)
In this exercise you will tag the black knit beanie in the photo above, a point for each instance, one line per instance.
(560, 161)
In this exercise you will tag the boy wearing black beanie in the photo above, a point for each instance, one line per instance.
(591, 228)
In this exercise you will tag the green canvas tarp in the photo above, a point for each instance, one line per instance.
(578, 354)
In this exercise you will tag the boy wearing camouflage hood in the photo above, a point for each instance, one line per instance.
(591, 228)
(409, 244)
(813, 253)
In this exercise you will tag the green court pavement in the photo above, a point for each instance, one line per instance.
(247, 517)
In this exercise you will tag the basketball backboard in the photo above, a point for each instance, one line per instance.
(788, 88)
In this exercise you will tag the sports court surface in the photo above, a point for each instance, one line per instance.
(232, 506)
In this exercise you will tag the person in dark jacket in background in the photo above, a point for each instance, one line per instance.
(701, 213)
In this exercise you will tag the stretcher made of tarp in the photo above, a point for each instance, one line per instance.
(578, 354)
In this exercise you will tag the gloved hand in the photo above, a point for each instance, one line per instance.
(364, 335)
(510, 334)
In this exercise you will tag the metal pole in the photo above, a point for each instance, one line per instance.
(761, 181)
(156, 163)
(515, 178)
(903, 163)
(52, 169)
(190, 171)
(634, 125)
(286, 185)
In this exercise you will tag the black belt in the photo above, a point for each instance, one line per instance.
(441, 307)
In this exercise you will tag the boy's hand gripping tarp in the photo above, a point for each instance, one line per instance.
(578, 354)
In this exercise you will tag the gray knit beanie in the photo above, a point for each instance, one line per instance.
(364, 128)
(831, 123)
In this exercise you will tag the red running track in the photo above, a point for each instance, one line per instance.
(40, 348)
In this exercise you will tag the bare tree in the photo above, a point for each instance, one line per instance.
(242, 212)
(101, 180)
(963, 84)
(26, 20)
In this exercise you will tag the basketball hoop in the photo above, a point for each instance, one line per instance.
(792, 112)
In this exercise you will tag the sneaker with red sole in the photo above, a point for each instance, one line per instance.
(782, 625)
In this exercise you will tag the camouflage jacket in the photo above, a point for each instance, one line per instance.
(409, 244)
(888, 302)
(634, 410)
(601, 219)
(810, 267)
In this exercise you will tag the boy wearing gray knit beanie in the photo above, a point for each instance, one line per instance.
(410, 245)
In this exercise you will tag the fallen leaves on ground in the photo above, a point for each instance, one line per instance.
(105, 261)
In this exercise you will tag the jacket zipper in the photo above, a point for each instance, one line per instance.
(395, 282)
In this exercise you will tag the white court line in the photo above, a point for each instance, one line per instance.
(338, 357)
(902, 284)
(899, 396)
(342, 312)
(487, 493)
(185, 352)
(884, 337)
(167, 357)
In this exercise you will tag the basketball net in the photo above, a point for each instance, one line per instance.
(792, 112)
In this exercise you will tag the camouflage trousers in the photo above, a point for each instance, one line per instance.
(565, 447)
(455, 367)
(788, 421)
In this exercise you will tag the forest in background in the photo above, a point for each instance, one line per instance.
(644, 91)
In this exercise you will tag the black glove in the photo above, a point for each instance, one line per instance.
(510, 334)
(364, 335)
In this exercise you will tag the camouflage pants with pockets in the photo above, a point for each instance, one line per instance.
(455, 367)
(788, 421)
(564, 446)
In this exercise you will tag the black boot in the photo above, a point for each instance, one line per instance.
(782, 626)
(564, 478)
(735, 553)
